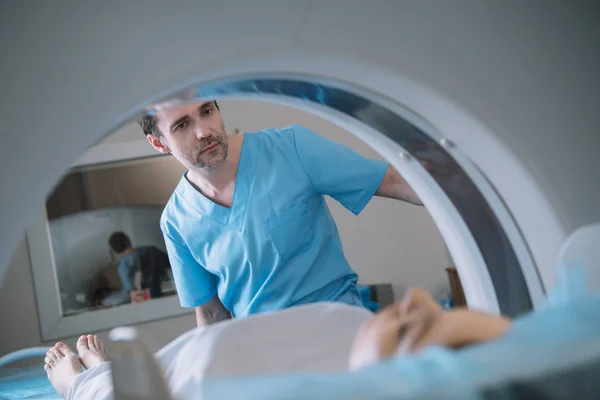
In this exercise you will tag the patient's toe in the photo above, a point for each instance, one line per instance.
(96, 343)
(62, 349)
(91, 351)
(91, 343)
(54, 354)
(82, 343)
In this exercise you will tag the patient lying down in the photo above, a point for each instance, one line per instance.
(358, 339)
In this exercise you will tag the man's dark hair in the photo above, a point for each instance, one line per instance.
(149, 125)
(119, 242)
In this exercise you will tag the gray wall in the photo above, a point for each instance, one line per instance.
(388, 242)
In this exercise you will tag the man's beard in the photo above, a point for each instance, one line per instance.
(213, 163)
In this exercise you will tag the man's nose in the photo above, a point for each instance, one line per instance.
(202, 132)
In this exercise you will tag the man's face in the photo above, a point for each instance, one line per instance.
(194, 134)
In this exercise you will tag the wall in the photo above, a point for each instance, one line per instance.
(67, 198)
(148, 182)
(388, 242)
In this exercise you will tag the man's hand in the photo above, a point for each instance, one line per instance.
(210, 312)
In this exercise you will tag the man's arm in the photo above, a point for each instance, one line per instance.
(126, 275)
(210, 312)
(394, 186)
(345, 175)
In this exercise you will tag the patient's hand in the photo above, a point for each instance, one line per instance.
(426, 325)
(400, 328)
(422, 322)
(417, 322)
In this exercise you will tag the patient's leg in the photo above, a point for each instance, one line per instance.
(91, 351)
(62, 366)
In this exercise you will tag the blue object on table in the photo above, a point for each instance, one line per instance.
(365, 295)
(26, 383)
(446, 301)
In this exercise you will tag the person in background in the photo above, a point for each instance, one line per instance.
(151, 262)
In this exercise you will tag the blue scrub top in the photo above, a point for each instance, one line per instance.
(278, 245)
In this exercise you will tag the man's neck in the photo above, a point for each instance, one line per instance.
(218, 183)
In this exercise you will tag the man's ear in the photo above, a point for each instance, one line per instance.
(158, 144)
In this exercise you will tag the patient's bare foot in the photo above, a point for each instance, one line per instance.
(62, 366)
(91, 351)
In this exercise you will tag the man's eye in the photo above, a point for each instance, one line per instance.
(207, 112)
(181, 126)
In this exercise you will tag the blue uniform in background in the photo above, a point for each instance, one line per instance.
(278, 245)
(151, 262)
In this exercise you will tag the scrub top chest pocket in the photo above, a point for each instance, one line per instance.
(290, 230)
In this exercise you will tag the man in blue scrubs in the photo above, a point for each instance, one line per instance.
(247, 229)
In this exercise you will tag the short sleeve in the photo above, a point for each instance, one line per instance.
(125, 273)
(195, 285)
(337, 171)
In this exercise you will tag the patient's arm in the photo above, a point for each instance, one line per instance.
(456, 328)
(464, 327)
(210, 312)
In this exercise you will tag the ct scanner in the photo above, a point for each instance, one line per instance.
(502, 96)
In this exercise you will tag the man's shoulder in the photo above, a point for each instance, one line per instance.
(283, 139)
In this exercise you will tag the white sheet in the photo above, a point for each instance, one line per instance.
(314, 337)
